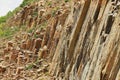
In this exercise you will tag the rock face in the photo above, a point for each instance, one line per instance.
(80, 41)
(88, 48)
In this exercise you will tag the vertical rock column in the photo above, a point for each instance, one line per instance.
(91, 50)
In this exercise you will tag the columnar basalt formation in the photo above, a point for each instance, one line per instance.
(88, 49)
(64, 40)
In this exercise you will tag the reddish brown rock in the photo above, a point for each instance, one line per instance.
(19, 70)
(20, 59)
(23, 46)
(7, 58)
(28, 44)
(10, 44)
(37, 32)
(46, 36)
(32, 43)
(43, 52)
(37, 44)
(41, 12)
(2, 69)
(28, 55)
(53, 24)
(13, 56)
(6, 50)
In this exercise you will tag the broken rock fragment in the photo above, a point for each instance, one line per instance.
(2, 69)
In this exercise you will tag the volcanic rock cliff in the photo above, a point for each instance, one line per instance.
(64, 40)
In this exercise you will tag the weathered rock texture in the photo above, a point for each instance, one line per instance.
(74, 40)
(28, 54)
(89, 46)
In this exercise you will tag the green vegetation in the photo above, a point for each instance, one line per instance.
(11, 13)
(54, 11)
(49, 3)
(7, 31)
(36, 36)
(31, 30)
(30, 66)
(35, 14)
(4, 18)
(26, 2)
(66, 0)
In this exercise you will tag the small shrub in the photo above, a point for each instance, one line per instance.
(35, 36)
(66, 0)
(31, 30)
(28, 67)
(34, 14)
(49, 3)
(54, 11)
(8, 31)
(26, 2)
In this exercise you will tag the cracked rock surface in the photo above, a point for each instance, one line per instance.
(63, 40)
